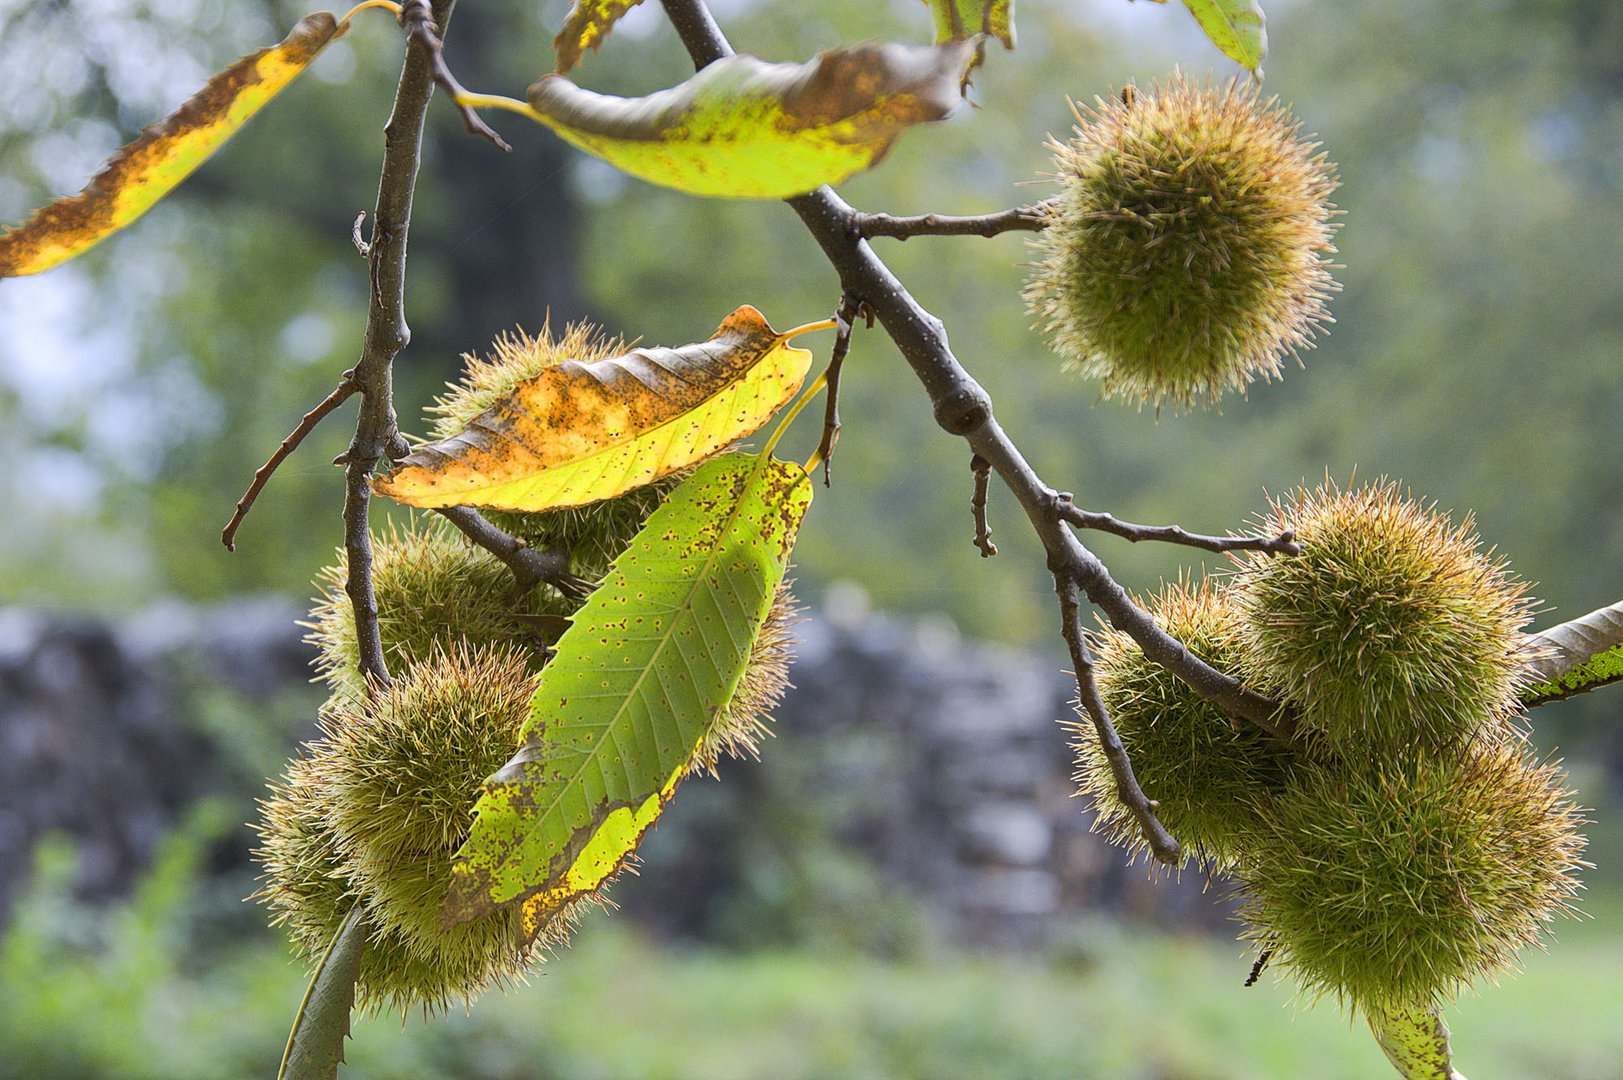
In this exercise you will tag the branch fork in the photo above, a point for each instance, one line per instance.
(418, 18)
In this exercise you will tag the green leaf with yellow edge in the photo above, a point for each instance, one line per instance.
(1237, 27)
(1415, 1041)
(744, 128)
(1575, 657)
(639, 679)
(579, 433)
(957, 20)
(588, 23)
(165, 154)
(316, 1047)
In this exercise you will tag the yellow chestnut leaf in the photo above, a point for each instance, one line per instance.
(578, 433)
(588, 23)
(165, 154)
(744, 128)
(956, 20)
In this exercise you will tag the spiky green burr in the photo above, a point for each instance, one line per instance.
(373, 812)
(434, 589)
(742, 723)
(1209, 773)
(1392, 629)
(1392, 885)
(1187, 251)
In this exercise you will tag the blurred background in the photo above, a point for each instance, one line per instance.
(902, 887)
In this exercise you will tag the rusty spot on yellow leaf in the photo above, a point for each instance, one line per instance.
(165, 154)
(749, 129)
(578, 433)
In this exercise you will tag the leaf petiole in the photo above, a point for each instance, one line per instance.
(387, 5)
(496, 101)
(789, 417)
(811, 391)
(820, 324)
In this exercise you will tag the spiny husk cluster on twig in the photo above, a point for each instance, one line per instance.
(1404, 844)
(1392, 626)
(372, 813)
(1186, 253)
(592, 535)
(1397, 883)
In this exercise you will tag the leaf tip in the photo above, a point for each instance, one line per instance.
(746, 318)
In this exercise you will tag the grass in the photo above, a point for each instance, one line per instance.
(1134, 1006)
(125, 997)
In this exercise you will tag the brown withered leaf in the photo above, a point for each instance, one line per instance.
(163, 155)
(578, 433)
(1575, 657)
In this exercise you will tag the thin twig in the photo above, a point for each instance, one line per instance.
(417, 15)
(1033, 218)
(348, 386)
(844, 318)
(977, 504)
(530, 567)
(1283, 544)
(963, 407)
(1258, 967)
(1164, 847)
(376, 429)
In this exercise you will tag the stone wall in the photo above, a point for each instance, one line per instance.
(907, 765)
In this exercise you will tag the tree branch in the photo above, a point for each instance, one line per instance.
(418, 16)
(1164, 847)
(376, 429)
(962, 407)
(1283, 544)
(1033, 218)
(530, 567)
(262, 475)
(697, 28)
